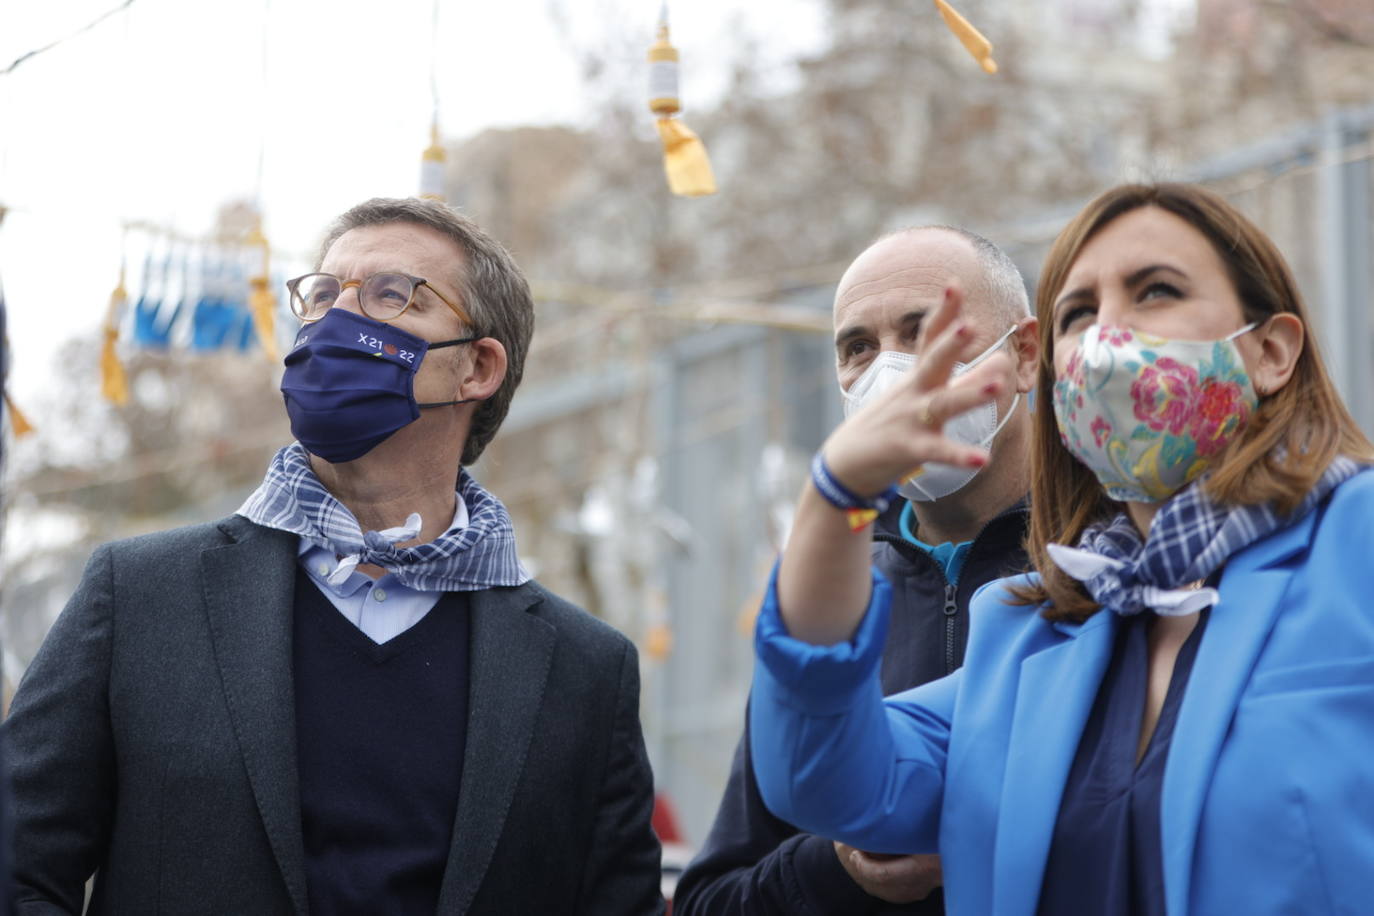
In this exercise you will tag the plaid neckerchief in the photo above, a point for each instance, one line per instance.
(481, 555)
(1190, 538)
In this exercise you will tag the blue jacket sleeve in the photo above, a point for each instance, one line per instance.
(829, 755)
(753, 864)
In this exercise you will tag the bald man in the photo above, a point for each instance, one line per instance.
(953, 531)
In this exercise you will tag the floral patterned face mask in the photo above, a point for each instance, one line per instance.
(1146, 414)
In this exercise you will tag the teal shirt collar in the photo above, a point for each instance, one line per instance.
(950, 556)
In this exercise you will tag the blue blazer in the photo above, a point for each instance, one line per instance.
(1268, 798)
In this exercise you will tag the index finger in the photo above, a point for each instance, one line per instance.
(940, 317)
(939, 343)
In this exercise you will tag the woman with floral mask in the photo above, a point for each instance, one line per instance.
(1174, 712)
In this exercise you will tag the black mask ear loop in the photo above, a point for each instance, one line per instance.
(450, 343)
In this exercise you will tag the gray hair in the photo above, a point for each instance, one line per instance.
(493, 289)
(1001, 281)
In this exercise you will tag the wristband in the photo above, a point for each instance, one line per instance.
(859, 512)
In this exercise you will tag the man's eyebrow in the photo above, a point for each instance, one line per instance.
(915, 316)
(850, 333)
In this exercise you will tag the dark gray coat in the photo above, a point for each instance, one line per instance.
(153, 741)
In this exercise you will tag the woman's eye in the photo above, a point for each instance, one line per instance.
(1075, 315)
(1156, 290)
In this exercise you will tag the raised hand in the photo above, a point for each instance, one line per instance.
(903, 427)
(823, 579)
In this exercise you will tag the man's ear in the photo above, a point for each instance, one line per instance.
(1025, 342)
(486, 372)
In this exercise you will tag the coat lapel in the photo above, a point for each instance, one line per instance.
(1251, 596)
(248, 591)
(1054, 697)
(511, 654)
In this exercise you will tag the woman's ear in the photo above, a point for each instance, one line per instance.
(1026, 346)
(1276, 345)
(486, 372)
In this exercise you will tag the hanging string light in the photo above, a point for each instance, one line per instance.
(262, 300)
(114, 383)
(684, 155)
(433, 159)
(972, 39)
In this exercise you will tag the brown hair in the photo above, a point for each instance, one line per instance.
(494, 292)
(1290, 439)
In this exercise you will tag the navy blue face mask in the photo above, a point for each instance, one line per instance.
(349, 383)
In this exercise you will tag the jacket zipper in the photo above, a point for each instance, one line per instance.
(951, 611)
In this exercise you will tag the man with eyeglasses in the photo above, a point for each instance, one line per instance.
(349, 697)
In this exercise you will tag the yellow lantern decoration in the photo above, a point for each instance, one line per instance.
(114, 384)
(18, 422)
(972, 39)
(432, 160)
(432, 166)
(684, 155)
(262, 301)
(658, 642)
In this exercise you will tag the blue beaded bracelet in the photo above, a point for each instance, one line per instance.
(841, 497)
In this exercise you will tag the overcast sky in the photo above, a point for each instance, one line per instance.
(159, 113)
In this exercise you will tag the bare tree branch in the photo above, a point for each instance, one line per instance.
(1317, 20)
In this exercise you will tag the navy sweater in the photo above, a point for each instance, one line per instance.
(380, 734)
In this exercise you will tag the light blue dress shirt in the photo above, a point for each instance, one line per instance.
(382, 608)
